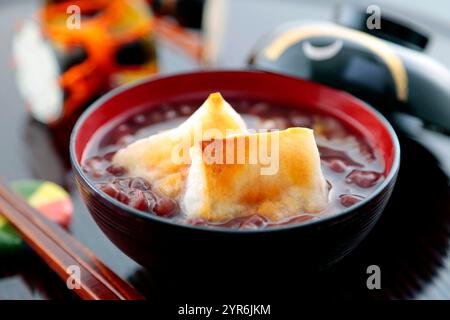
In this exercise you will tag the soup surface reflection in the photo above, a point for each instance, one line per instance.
(351, 166)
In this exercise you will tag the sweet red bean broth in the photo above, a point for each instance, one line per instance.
(351, 166)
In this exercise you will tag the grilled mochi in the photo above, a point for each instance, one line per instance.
(272, 174)
(163, 159)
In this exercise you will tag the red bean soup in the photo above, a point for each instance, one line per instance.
(351, 166)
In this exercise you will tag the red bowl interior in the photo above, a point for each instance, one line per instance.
(255, 85)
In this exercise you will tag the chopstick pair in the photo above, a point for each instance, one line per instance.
(63, 253)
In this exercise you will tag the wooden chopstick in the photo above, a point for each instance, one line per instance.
(60, 251)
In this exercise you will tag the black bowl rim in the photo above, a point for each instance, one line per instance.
(309, 223)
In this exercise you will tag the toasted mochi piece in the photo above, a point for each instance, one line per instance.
(163, 158)
(224, 182)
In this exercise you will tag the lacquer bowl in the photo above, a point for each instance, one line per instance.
(313, 245)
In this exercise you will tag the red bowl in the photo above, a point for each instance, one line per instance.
(315, 243)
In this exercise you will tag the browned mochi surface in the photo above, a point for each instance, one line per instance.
(218, 171)
(228, 177)
(163, 159)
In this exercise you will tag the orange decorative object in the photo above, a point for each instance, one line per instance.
(113, 41)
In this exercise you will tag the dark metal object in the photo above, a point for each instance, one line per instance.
(189, 13)
(387, 75)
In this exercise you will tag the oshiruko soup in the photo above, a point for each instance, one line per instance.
(350, 166)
